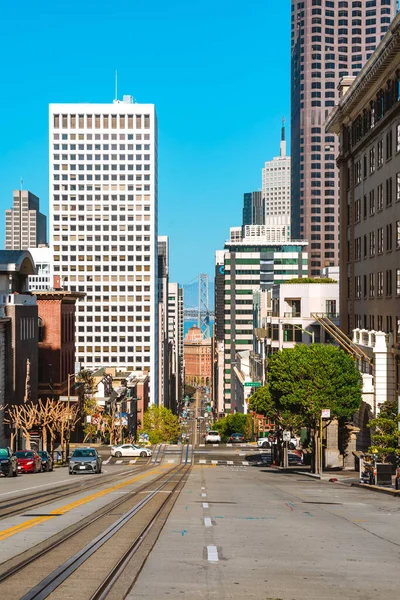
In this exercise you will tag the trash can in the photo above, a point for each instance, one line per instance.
(383, 475)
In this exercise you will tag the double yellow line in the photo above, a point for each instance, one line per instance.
(6, 533)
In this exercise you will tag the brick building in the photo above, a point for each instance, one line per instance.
(197, 356)
(56, 312)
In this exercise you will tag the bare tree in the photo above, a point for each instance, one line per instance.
(23, 417)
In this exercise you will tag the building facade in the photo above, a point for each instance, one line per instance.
(103, 215)
(330, 40)
(175, 337)
(56, 322)
(25, 224)
(197, 356)
(41, 280)
(367, 121)
(163, 345)
(253, 209)
(276, 184)
(250, 264)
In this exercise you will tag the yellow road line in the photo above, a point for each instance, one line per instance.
(6, 533)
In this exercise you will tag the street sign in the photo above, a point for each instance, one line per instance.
(286, 436)
(252, 384)
(326, 413)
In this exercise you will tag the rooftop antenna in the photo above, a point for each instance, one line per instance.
(283, 141)
(116, 84)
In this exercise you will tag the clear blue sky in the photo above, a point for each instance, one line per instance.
(217, 71)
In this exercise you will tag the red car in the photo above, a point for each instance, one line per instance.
(29, 461)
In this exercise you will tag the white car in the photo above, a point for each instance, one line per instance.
(266, 443)
(130, 450)
(212, 437)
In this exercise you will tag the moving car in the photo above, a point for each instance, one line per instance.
(8, 463)
(236, 438)
(212, 437)
(29, 461)
(47, 461)
(130, 450)
(84, 460)
(263, 443)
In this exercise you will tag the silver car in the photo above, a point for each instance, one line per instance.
(84, 460)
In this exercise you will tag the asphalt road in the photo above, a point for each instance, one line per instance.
(241, 532)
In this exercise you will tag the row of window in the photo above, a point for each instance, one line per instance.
(364, 167)
(374, 242)
(100, 121)
(376, 284)
(121, 360)
(378, 323)
(64, 137)
(375, 202)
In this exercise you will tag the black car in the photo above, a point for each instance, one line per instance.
(47, 461)
(8, 463)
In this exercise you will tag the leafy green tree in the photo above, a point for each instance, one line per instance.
(90, 408)
(262, 403)
(306, 379)
(161, 425)
(189, 390)
(385, 437)
(233, 423)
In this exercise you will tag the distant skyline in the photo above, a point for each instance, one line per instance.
(219, 76)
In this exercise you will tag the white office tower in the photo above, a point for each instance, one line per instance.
(276, 184)
(103, 215)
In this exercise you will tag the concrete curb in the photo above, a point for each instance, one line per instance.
(375, 488)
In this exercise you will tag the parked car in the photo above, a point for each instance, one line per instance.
(47, 461)
(84, 460)
(236, 438)
(212, 437)
(29, 461)
(271, 440)
(8, 463)
(130, 450)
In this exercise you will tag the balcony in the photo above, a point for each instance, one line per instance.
(292, 315)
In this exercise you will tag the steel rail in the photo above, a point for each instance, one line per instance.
(43, 589)
(38, 499)
(99, 514)
(107, 584)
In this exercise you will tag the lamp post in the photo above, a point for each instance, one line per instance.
(68, 431)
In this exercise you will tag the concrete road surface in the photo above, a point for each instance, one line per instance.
(249, 532)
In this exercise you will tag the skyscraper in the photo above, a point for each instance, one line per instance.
(163, 348)
(330, 39)
(175, 336)
(103, 213)
(276, 183)
(25, 224)
(253, 209)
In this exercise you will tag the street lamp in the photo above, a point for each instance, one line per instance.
(68, 432)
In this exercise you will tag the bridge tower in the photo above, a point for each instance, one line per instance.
(203, 307)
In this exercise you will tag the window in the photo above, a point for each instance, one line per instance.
(389, 237)
(380, 240)
(389, 190)
(379, 290)
(397, 282)
(380, 197)
(372, 243)
(357, 210)
(397, 187)
(397, 138)
(357, 285)
(389, 144)
(357, 168)
(372, 285)
(397, 235)
(380, 153)
(372, 160)
(388, 283)
(372, 202)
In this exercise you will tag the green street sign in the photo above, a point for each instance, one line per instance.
(252, 384)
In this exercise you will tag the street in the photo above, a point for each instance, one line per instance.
(235, 527)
